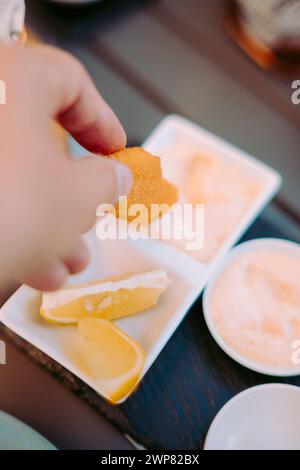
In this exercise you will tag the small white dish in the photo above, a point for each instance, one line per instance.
(266, 417)
(246, 247)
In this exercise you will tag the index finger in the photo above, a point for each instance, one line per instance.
(78, 106)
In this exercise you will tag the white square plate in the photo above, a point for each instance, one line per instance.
(152, 328)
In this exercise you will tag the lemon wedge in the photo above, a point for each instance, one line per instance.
(110, 299)
(110, 357)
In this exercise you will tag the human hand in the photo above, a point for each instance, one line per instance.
(47, 199)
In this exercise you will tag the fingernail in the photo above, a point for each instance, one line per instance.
(124, 178)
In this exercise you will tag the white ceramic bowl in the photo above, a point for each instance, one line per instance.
(266, 417)
(252, 245)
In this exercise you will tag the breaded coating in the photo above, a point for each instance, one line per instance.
(149, 186)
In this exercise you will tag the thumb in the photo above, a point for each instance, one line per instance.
(98, 180)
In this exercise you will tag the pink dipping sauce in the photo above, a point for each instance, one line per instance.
(255, 305)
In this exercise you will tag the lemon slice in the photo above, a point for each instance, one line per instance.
(111, 299)
(110, 357)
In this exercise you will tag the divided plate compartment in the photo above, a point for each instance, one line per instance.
(151, 328)
(177, 139)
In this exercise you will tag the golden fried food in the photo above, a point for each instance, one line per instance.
(149, 185)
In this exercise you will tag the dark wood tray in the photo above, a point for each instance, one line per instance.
(184, 389)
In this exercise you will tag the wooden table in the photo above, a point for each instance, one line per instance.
(149, 59)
